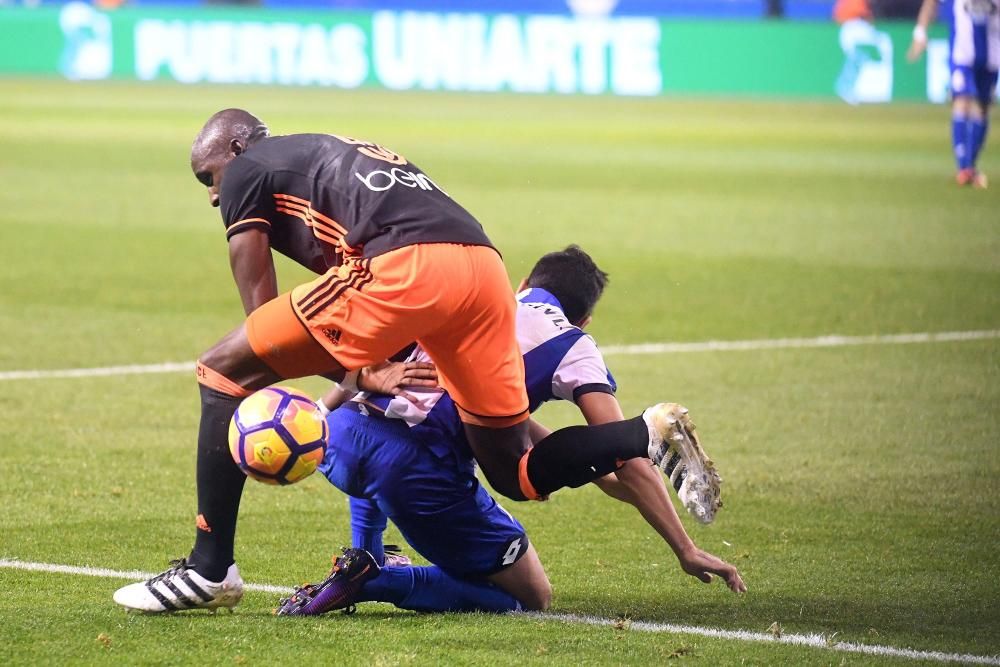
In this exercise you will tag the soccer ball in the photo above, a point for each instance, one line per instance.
(278, 436)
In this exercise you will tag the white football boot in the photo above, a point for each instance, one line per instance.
(674, 447)
(179, 588)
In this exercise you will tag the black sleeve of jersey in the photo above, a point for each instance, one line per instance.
(245, 198)
(591, 388)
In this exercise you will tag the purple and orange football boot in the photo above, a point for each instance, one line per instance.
(338, 591)
(395, 557)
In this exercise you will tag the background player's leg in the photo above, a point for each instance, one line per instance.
(961, 137)
(986, 82)
(979, 126)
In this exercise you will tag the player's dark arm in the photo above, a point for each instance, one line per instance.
(639, 484)
(253, 268)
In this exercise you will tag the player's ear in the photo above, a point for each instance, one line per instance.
(236, 147)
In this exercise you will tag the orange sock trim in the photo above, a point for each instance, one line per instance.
(490, 422)
(527, 488)
(219, 382)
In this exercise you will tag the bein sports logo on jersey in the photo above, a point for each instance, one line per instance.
(381, 180)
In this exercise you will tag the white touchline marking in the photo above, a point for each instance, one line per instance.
(832, 340)
(169, 367)
(810, 641)
(13, 563)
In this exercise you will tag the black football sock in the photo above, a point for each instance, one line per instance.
(220, 485)
(577, 455)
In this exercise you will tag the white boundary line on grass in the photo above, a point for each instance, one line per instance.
(832, 340)
(106, 371)
(15, 564)
(810, 640)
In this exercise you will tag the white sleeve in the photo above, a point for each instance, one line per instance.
(581, 370)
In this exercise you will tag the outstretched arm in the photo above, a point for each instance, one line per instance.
(639, 484)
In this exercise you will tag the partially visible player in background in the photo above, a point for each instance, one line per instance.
(407, 458)
(974, 58)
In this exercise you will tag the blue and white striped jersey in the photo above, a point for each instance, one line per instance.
(975, 33)
(560, 362)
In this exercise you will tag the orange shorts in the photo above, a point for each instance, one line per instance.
(455, 300)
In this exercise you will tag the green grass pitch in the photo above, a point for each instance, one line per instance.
(862, 484)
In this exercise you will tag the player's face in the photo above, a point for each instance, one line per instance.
(209, 173)
(210, 168)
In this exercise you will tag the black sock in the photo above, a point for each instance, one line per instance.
(220, 485)
(577, 455)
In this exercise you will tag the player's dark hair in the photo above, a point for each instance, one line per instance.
(573, 278)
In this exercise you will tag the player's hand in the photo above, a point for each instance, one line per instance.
(395, 377)
(702, 565)
(916, 50)
(917, 47)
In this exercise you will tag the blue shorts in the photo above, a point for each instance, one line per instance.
(976, 82)
(434, 499)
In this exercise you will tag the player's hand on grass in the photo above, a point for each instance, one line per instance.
(702, 565)
(395, 377)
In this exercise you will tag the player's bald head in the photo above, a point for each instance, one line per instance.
(222, 129)
(226, 134)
